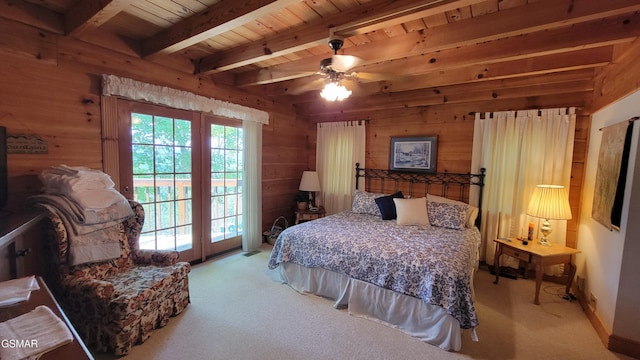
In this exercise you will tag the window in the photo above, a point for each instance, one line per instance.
(161, 155)
(226, 182)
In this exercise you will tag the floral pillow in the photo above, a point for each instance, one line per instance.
(471, 211)
(365, 203)
(451, 216)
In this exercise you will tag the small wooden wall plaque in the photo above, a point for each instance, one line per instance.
(26, 144)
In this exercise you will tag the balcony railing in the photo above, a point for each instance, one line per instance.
(159, 196)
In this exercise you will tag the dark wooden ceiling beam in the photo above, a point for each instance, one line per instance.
(371, 16)
(579, 99)
(31, 14)
(538, 85)
(542, 15)
(87, 15)
(217, 19)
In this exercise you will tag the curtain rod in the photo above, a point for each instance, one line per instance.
(630, 120)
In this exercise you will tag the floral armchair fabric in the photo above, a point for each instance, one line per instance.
(116, 304)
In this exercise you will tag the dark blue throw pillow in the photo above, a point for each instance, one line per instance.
(387, 206)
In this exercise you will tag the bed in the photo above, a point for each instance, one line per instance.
(404, 255)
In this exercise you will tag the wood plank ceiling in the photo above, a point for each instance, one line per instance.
(414, 53)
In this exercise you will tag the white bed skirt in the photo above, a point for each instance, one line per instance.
(408, 314)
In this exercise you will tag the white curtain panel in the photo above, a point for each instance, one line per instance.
(340, 145)
(252, 186)
(520, 149)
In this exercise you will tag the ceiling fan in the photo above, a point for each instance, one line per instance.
(334, 72)
(335, 69)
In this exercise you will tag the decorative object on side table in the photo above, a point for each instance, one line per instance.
(549, 202)
(302, 200)
(310, 183)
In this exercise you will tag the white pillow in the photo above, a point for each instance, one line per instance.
(471, 211)
(411, 211)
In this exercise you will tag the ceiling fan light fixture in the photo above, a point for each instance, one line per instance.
(334, 91)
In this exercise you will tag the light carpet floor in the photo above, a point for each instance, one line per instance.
(238, 311)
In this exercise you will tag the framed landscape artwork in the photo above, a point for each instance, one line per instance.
(413, 154)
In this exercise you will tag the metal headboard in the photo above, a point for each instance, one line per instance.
(450, 185)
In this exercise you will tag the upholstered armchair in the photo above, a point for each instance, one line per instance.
(116, 304)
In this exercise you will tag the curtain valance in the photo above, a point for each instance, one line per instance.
(179, 99)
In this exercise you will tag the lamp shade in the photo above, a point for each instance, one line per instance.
(550, 202)
(310, 181)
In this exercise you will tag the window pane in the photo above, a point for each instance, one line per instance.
(141, 128)
(162, 168)
(183, 133)
(164, 215)
(164, 159)
(184, 236)
(226, 168)
(217, 160)
(166, 239)
(231, 138)
(183, 212)
(163, 131)
(183, 189)
(231, 160)
(183, 160)
(143, 156)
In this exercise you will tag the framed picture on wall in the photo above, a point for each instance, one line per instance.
(413, 154)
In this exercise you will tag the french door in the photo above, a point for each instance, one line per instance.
(183, 168)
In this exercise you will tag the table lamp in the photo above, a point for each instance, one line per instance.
(310, 183)
(549, 202)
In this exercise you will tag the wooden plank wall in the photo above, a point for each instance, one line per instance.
(51, 87)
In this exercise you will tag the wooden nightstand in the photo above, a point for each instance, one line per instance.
(306, 214)
(539, 255)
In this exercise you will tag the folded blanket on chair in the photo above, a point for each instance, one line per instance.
(93, 234)
(83, 220)
(65, 179)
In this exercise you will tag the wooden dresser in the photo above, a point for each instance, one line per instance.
(74, 350)
(21, 238)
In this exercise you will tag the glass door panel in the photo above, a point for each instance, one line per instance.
(157, 171)
(226, 179)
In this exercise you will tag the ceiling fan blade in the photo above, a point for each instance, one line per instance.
(267, 75)
(343, 63)
(316, 84)
(351, 83)
(365, 76)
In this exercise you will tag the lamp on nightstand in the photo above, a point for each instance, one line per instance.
(310, 183)
(549, 202)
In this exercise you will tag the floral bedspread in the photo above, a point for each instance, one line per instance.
(432, 263)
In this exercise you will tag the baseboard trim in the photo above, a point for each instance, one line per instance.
(624, 346)
(611, 342)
